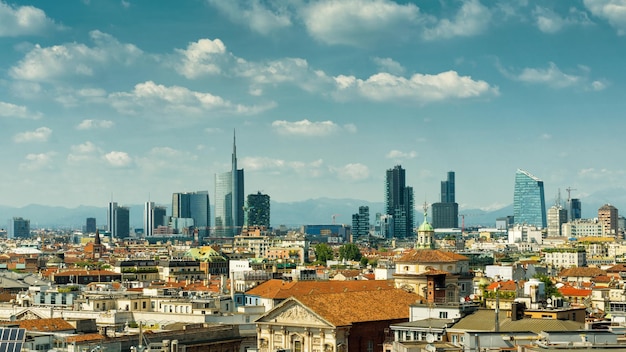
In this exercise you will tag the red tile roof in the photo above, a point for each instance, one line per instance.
(45, 325)
(569, 291)
(279, 289)
(84, 337)
(582, 272)
(346, 308)
(430, 256)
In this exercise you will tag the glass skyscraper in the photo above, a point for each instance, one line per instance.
(196, 206)
(229, 200)
(399, 202)
(529, 205)
(446, 212)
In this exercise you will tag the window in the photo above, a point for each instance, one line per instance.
(370, 346)
(443, 315)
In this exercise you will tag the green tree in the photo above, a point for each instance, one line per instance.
(350, 251)
(323, 253)
(551, 289)
(364, 261)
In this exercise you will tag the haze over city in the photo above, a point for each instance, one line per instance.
(135, 100)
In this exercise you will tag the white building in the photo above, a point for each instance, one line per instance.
(565, 257)
(524, 234)
(583, 228)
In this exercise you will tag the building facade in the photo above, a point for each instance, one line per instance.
(575, 209)
(361, 222)
(18, 228)
(607, 216)
(90, 225)
(258, 210)
(118, 221)
(529, 205)
(399, 202)
(229, 200)
(557, 216)
(196, 206)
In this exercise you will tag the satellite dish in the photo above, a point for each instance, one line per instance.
(462, 300)
(472, 296)
(431, 348)
(549, 300)
(430, 338)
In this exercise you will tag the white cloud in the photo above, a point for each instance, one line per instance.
(419, 88)
(213, 130)
(176, 101)
(613, 11)
(83, 152)
(23, 20)
(94, 124)
(359, 22)
(546, 136)
(203, 57)
(308, 128)
(352, 172)
(400, 155)
(549, 21)
(288, 70)
(73, 59)
(551, 76)
(389, 65)
(118, 159)
(275, 166)
(472, 18)
(37, 161)
(264, 18)
(19, 111)
(39, 135)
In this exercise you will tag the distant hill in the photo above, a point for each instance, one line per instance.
(311, 211)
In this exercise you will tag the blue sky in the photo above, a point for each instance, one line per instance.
(136, 100)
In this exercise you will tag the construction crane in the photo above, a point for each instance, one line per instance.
(334, 216)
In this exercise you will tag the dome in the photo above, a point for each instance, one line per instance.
(426, 227)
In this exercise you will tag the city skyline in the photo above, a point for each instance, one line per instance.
(136, 100)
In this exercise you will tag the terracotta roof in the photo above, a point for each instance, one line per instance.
(430, 256)
(616, 268)
(279, 289)
(602, 279)
(45, 325)
(504, 285)
(582, 272)
(84, 337)
(346, 308)
(569, 291)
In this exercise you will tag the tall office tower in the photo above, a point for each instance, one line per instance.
(529, 205)
(607, 216)
(447, 189)
(575, 209)
(557, 216)
(111, 216)
(229, 199)
(148, 219)
(159, 216)
(196, 206)
(121, 228)
(361, 222)
(446, 213)
(399, 202)
(258, 210)
(18, 228)
(90, 226)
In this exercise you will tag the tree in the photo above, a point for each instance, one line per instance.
(364, 261)
(323, 253)
(550, 287)
(350, 251)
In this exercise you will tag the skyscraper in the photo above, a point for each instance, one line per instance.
(121, 223)
(196, 206)
(110, 216)
(399, 202)
(607, 216)
(153, 217)
(18, 228)
(557, 216)
(229, 199)
(446, 212)
(90, 226)
(575, 209)
(258, 210)
(361, 222)
(529, 205)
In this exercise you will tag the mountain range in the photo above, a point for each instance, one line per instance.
(293, 214)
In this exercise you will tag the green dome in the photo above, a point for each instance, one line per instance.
(425, 227)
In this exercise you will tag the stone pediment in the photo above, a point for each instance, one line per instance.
(293, 313)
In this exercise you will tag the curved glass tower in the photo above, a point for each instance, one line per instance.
(529, 205)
